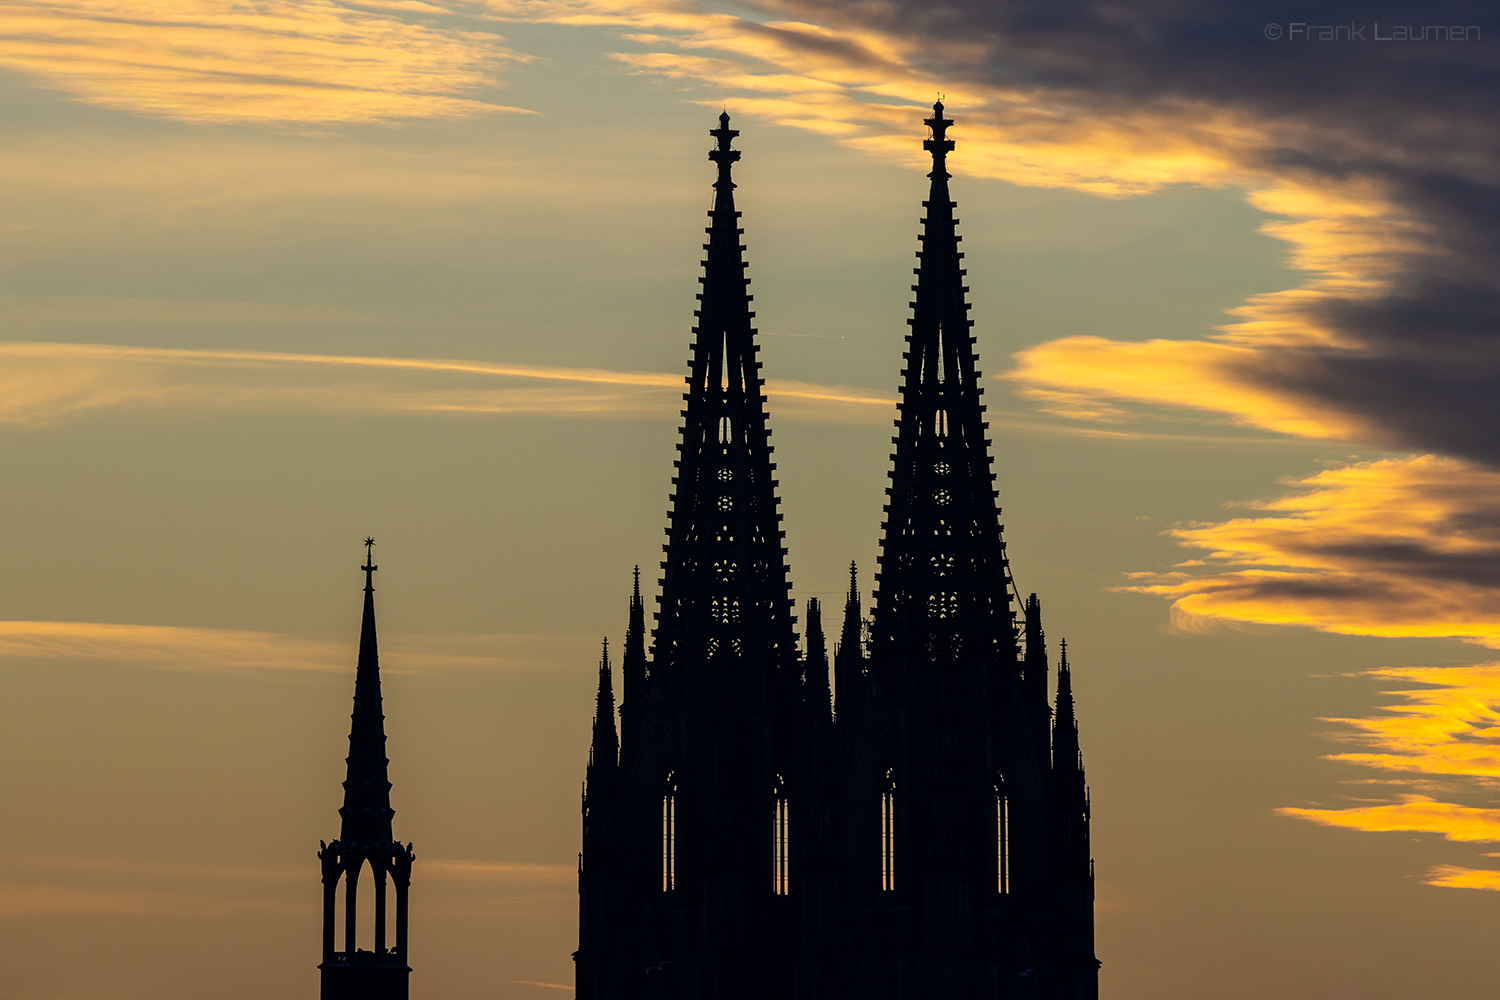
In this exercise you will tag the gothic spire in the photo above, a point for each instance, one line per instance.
(1066, 758)
(1035, 665)
(944, 581)
(635, 648)
(367, 811)
(849, 657)
(850, 635)
(724, 586)
(819, 696)
(604, 754)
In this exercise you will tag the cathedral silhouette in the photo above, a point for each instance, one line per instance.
(924, 835)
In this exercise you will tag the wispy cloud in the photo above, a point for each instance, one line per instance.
(1455, 877)
(205, 650)
(1443, 732)
(1398, 547)
(42, 383)
(1413, 814)
(272, 61)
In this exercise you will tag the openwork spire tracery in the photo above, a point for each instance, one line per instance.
(724, 588)
(944, 581)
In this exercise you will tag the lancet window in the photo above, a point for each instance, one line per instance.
(669, 834)
(888, 832)
(780, 840)
(1002, 835)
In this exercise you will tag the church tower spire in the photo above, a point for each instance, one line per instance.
(944, 580)
(724, 587)
(365, 838)
(367, 812)
(692, 895)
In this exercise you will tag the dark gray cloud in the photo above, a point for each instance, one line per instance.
(1419, 361)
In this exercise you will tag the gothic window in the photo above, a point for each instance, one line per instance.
(942, 565)
(1002, 834)
(943, 604)
(726, 503)
(724, 430)
(669, 834)
(942, 497)
(888, 832)
(780, 840)
(940, 469)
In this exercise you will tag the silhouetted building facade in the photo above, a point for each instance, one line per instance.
(365, 840)
(924, 836)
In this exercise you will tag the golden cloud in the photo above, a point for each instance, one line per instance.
(1454, 877)
(1398, 547)
(42, 383)
(1414, 814)
(1445, 727)
(272, 61)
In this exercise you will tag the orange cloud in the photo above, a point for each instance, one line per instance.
(1446, 726)
(1454, 877)
(1414, 814)
(42, 383)
(273, 61)
(1399, 547)
(206, 650)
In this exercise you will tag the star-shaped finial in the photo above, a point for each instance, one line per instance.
(369, 567)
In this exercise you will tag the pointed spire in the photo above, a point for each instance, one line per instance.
(818, 694)
(724, 586)
(1035, 665)
(850, 647)
(604, 753)
(849, 656)
(367, 811)
(944, 581)
(635, 648)
(1066, 758)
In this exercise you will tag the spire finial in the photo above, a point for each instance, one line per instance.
(723, 155)
(368, 567)
(939, 145)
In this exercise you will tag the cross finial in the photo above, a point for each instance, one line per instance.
(369, 566)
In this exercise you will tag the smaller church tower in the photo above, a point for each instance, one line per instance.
(365, 839)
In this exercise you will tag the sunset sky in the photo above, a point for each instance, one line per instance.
(278, 275)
